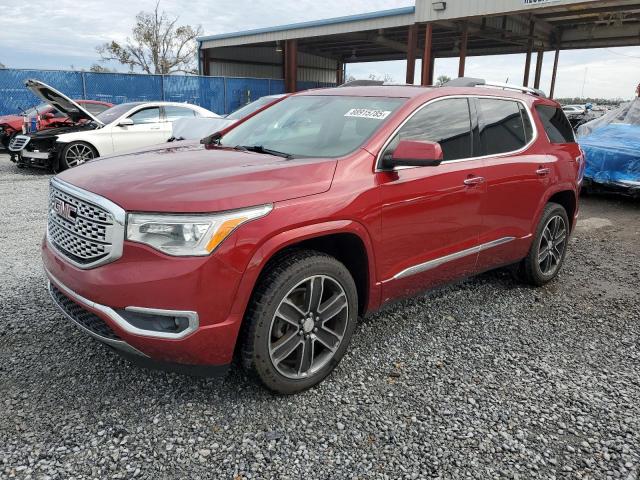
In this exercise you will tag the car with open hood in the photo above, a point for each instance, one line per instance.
(269, 241)
(41, 117)
(124, 127)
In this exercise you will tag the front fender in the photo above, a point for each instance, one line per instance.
(296, 235)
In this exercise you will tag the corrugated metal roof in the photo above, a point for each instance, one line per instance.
(314, 23)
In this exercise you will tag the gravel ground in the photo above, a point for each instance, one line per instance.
(484, 379)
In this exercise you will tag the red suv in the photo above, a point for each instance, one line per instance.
(270, 241)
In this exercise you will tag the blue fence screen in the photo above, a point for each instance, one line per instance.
(221, 95)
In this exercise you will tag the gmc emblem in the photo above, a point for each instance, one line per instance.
(65, 210)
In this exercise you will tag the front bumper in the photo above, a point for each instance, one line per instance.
(199, 289)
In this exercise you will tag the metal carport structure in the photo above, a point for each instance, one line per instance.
(318, 50)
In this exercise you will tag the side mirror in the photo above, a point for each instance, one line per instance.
(47, 116)
(415, 153)
(127, 122)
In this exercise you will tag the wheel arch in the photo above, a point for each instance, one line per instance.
(348, 241)
(563, 194)
(567, 199)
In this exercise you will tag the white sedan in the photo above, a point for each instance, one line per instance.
(121, 128)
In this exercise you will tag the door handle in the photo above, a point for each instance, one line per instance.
(543, 172)
(154, 128)
(471, 181)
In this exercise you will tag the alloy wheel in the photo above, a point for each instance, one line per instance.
(552, 245)
(78, 154)
(308, 327)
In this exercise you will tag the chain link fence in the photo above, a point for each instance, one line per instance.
(221, 95)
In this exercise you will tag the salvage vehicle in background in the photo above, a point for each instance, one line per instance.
(124, 127)
(272, 239)
(41, 117)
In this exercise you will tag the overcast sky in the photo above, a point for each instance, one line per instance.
(45, 34)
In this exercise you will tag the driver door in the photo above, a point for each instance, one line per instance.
(147, 129)
(431, 216)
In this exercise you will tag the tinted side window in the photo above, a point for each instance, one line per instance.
(555, 124)
(501, 126)
(146, 115)
(445, 121)
(174, 113)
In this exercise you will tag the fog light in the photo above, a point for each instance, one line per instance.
(159, 320)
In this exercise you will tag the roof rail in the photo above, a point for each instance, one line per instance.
(362, 83)
(480, 82)
(375, 83)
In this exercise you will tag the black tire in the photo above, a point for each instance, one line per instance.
(6, 140)
(75, 147)
(531, 271)
(281, 279)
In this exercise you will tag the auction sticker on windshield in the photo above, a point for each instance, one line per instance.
(367, 113)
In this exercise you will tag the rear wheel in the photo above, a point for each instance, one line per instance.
(300, 321)
(76, 153)
(549, 247)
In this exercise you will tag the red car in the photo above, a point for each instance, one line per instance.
(271, 241)
(45, 116)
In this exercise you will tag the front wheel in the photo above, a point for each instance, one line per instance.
(76, 153)
(549, 246)
(300, 321)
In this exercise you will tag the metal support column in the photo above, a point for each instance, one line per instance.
(539, 59)
(339, 73)
(427, 57)
(554, 73)
(463, 49)
(412, 45)
(291, 66)
(527, 61)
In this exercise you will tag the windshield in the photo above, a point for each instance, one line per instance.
(313, 125)
(113, 113)
(248, 109)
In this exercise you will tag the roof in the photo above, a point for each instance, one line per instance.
(413, 92)
(391, 91)
(494, 27)
(317, 27)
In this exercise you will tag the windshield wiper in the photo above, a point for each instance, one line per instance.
(261, 149)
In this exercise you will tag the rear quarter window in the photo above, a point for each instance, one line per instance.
(555, 123)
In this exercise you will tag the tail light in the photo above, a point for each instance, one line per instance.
(582, 163)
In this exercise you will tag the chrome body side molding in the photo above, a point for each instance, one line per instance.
(436, 262)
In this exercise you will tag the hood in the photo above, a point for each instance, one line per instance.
(53, 132)
(187, 178)
(60, 101)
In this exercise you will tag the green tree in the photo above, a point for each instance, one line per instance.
(97, 68)
(157, 45)
(442, 79)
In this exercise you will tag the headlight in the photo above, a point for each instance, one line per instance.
(188, 235)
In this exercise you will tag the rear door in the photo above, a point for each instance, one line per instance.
(431, 215)
(516, 177)
(147, 129)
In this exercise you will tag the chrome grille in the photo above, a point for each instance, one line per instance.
(18, 142)
(87, 229)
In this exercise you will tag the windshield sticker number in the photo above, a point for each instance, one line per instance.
(367, 113)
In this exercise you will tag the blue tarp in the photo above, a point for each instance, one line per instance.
(613, 154)
(612, 147)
